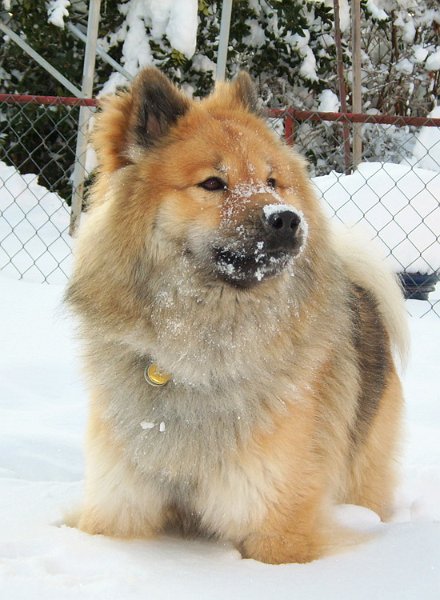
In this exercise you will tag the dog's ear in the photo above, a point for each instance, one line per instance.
(240, 92)
(135, 119)
(245, 91)
(156, 105)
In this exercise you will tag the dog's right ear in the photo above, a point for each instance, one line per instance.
(244, 90)
(133, 121)
(157, 105)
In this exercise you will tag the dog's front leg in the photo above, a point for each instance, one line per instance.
(120, 501)
(118, 504)
(290, 481)
(287, 535)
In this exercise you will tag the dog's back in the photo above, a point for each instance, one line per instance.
(366, 268)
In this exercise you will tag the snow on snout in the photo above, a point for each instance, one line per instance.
(241, 196)
(246, 190)
(271, 209)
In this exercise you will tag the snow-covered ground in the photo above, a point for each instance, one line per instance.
(42, 421)
(34, 224)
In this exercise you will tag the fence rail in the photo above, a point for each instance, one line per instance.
(316, 116)
(394, 193)
(47, 100)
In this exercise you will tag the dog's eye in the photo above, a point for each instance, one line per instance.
(213, 184)
(271, 182)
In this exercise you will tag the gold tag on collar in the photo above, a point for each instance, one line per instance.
(154, 376)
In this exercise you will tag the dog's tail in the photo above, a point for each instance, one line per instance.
(367, 268)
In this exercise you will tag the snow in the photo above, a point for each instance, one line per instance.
(182, 25)
(344, 14)
(397, 205)
(43, 408)
(433, 62)
(57, 11)
(328, 102)
(34, 226)
(270, 209)
(308, 66)
(257, 35)
(405, 66)
(420, 54)
(375, 10)
(426, 150)
(301, 42)
(203, 63)
(409, 32)
(177, 20)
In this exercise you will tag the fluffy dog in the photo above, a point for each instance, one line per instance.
(238, 351)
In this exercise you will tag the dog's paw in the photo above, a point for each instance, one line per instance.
(280, 549)
(71, 518)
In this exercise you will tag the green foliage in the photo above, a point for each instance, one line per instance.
(286, 45)
(39, 139)
(268, 38)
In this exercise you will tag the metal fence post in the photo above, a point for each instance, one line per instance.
(85, 113)
(222, 53)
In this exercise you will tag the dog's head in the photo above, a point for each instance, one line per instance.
(208, 180)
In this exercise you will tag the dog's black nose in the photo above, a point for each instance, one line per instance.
(281, 227)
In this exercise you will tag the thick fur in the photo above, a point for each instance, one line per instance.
(284, 395)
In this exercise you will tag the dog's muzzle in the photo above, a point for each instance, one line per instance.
(262, 249)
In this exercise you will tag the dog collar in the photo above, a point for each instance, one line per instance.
(155, 376)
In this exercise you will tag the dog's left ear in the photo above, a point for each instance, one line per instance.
(157, 105)
(245, 92)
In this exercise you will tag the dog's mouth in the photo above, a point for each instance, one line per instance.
(259, 248)
(246, 269)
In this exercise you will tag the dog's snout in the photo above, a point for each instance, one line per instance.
(281, 227)
(285, 222)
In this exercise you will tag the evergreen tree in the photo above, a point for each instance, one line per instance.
(287, 45)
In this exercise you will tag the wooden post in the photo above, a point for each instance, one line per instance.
(357, 83)
(342, 90)
(289, 128)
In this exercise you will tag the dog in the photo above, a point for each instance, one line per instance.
(240, 351)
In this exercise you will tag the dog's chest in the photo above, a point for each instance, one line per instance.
(207, 339)
(192, 446)
(178, 434)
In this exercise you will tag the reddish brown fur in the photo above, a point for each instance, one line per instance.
(260, 428)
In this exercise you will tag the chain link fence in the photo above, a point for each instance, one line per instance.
(37, 157)
(393, 194)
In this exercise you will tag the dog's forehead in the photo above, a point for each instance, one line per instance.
(234, 144)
